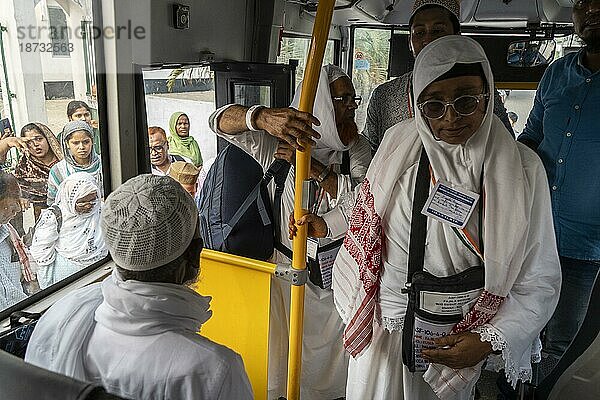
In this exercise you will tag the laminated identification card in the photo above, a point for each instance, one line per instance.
(312, 246)
(424, 334)
(450, 205)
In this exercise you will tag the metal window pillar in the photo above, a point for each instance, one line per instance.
(10, 95)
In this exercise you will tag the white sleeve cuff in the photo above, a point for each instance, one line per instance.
(336, 223)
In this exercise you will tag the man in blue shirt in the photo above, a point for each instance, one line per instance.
(563, 129)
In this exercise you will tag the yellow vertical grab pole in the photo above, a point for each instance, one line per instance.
(307, 100)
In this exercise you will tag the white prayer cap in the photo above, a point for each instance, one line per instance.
(334, 73)
(451, 5)
(148, 222)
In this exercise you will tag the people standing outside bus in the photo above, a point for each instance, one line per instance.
(391, 102)
(180, 141)
(270, 133)
(160, 159)
(136, 333)
(563, 129)
(455, 149)
(79, 156)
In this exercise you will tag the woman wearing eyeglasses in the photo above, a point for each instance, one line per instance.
(68, 237)
(449, 198)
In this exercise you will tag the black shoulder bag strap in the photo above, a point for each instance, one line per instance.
(418, 224)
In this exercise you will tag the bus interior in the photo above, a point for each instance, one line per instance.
(136, 62)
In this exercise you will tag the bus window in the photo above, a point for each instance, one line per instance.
(518, 103)
(50, 150)
(174, 96)
(297, 48)
(370, 65)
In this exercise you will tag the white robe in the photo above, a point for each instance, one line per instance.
(139, 341)
(324, 361)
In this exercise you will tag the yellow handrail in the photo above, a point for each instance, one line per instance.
(307, 99)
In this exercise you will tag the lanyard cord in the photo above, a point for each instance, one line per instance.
(463, 234)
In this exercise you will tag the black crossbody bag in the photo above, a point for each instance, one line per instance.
(435, 304)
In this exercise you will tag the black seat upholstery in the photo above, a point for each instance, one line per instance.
(22, 381)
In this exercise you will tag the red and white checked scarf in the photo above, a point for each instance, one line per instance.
(364, 242)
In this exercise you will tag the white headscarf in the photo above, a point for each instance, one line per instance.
(329, 148)
(80, 239)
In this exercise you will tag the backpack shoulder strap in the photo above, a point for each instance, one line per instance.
(279, 170)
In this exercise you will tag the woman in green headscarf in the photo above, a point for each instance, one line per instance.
(180, 141)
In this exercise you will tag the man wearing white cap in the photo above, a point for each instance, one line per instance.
(391, 101)
(136, 332)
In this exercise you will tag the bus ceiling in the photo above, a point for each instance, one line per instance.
(497, 15)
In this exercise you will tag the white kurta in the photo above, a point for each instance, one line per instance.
(141, 344)
(324, 361)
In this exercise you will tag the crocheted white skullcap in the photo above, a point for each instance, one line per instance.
(148, 222)
(334, 73)
(451, 5)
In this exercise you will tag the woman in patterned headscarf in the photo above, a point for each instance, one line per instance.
(43, 151)
(180, 141)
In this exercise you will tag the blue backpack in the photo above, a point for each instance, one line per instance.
(236, 215)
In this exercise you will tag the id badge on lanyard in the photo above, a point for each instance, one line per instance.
(450, 204)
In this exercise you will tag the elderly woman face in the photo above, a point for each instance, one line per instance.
(344, 106)
(182, 127)
(454, 107)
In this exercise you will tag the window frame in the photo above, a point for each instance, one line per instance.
(96, 270)
(62, 40)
